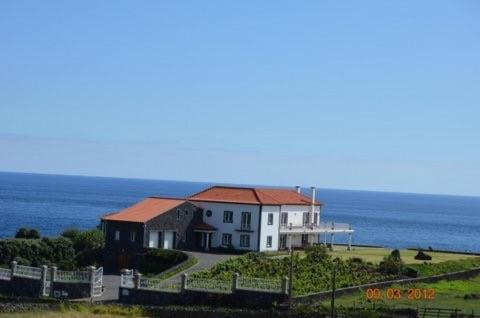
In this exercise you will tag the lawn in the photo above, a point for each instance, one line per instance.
(461, 294)
(375, 255)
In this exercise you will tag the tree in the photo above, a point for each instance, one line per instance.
(27, 233)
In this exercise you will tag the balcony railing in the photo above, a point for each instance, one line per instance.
(321, 227)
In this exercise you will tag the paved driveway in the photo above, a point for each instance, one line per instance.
(111, 283)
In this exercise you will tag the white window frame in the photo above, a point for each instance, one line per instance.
(246, 221)
(315, 218)
(306, 218)
(270, 219)
(244, 240)
(226, 239)
(269, 241)
(284, 218)
(117, 235)
(227, 216)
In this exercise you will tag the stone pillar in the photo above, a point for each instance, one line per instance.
(13, 266)
(91, 275)
(136, 280)
(285, 283)
(184, 282)
(43, 281)
(235, 278)
(53, 274)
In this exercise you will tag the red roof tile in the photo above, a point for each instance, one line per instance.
(144, 210)
(252, 196)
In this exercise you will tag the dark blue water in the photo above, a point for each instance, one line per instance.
(53, 203)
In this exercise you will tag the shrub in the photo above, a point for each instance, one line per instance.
(88, 245)
(26, 233)
(35, 252)
(410, 272)
(422, 256)
(158, 260)
(392, 264)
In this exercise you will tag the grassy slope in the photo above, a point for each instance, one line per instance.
(448, 294)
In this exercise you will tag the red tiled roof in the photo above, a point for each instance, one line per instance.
(204, 227)
(144, 210)
(252, 196)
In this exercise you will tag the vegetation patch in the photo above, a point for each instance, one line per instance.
(73, 249)
(158, 260)
(311, 273)
(431, 269)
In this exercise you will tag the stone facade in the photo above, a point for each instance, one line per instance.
(126, 253)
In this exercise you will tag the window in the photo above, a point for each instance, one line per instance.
(117, 235)
(284, 220)
(226, 239)
(315, 218)
(244, 240)
(246, 221)
(227, 216)
(306, 218)
(209, 213)
(132, 236)
(270, 218)
(186, 212)
(269, 241)
(178, 214)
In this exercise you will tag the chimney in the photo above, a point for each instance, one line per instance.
(297, 188)
(313, 205)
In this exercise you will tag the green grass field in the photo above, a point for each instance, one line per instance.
(455, 294)
(375, 255)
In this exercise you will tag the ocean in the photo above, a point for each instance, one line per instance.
(53, 203)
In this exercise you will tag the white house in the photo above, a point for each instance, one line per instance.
(257, 219)
(262, 219)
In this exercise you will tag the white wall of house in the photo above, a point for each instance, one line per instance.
(216, 220)
(295, 213)
(269, 230)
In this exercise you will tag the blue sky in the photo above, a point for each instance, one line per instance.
(376, 95)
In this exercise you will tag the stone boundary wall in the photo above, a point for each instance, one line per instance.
(47, 285)
(312, 298)
(238, 299)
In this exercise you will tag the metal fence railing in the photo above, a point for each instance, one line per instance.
(126, 280)
(207, 284)
(259, 284)
(5, 274)
(28, 272)
(158, 284)
(73, 276)
(98, 282)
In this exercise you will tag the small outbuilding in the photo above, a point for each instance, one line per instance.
(154, 222)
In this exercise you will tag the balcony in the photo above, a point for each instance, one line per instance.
(325, 227)
(245, 228)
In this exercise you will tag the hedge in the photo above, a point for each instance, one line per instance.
(155, 261)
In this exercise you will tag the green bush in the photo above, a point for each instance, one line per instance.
(26, 233)
(392, 264)
(88, 246)
(155, 261)
(36, 252)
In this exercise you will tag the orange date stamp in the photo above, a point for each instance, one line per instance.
(398, 294)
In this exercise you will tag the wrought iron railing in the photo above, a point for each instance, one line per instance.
(98, 282)
(28, 272)
(73, 276)
(259, 284)
(160, 284)
(5, 274)
(215, 285)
